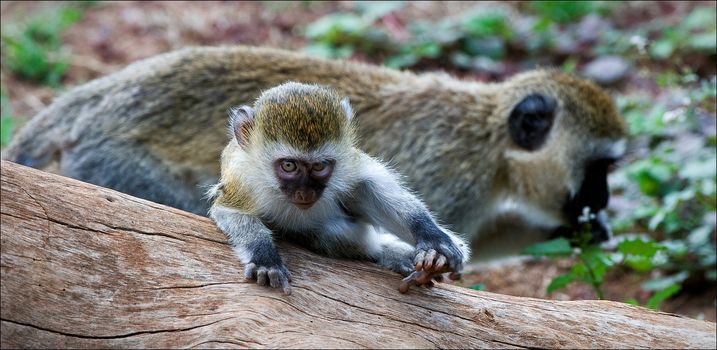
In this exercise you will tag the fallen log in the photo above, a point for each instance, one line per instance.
(88, 267)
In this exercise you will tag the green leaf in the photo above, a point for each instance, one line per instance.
(706, 42)
(655, 300)
(562, 11)
(632, 301)
(662, 49)
(328, 51)
(580, 270)
(661, 283)
(639, 263)
(552, 248)
(700, 236)
(598, 262)
(492, 47)
(560, 281)
(401, 60)
(479, 286)
(700, 18)
(646, 248)
(373, 10)
(7, 126)
(700, 169)
(333, 28)
(488, 24)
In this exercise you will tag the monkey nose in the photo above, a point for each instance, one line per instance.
(304, 199)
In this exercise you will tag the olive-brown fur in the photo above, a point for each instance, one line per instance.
(156, 128)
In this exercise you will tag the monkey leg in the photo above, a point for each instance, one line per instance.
(134, 171)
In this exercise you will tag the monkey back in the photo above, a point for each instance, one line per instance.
(302, 115)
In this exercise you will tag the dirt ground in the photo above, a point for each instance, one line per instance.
(111, 35)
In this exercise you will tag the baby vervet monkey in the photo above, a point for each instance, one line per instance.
(292, 171)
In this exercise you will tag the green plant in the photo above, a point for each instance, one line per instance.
(338, 35)
(34, 51)
(591, 262)
(673, 192)
(7, 123)
(697, 32)
(564, 11)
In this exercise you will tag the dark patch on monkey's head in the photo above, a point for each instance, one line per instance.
(530, 121)
(302, 115)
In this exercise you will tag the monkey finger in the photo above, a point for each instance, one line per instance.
(274, 278)
(455, 276)
(440, 262)
(409, 281)
(438, 277)
(424, 278)
(261, 276)
(418, 261)
(250, 271)
(285, 287)
(428, 261)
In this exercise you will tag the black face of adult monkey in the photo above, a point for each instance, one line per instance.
(507, 164)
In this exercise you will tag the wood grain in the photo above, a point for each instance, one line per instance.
(88, 267)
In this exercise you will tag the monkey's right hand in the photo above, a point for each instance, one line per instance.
(276, 275)
(439, 257)
(430, 265)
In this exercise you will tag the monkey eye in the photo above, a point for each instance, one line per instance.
(318, 166)
(288, 165)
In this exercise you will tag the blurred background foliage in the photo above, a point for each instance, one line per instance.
(657, 58)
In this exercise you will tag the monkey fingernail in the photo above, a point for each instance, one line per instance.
(428, 261)
(441, 262)
(286, 289)
(418, 261)
(250, 271)
(261, 276)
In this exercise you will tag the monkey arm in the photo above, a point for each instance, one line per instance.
(253, 243)
(387, 203)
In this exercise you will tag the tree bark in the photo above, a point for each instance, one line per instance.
(89, 267)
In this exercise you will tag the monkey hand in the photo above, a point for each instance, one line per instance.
(276, 276)
(441, 255)
(425, 278)
(431, 264)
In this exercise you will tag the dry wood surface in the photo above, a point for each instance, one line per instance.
(84, 266)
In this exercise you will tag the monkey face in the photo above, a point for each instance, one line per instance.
(567, 155)
(303, 182)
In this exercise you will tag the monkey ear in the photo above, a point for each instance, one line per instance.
(346, 106)
(530, 121)
(241, 120)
